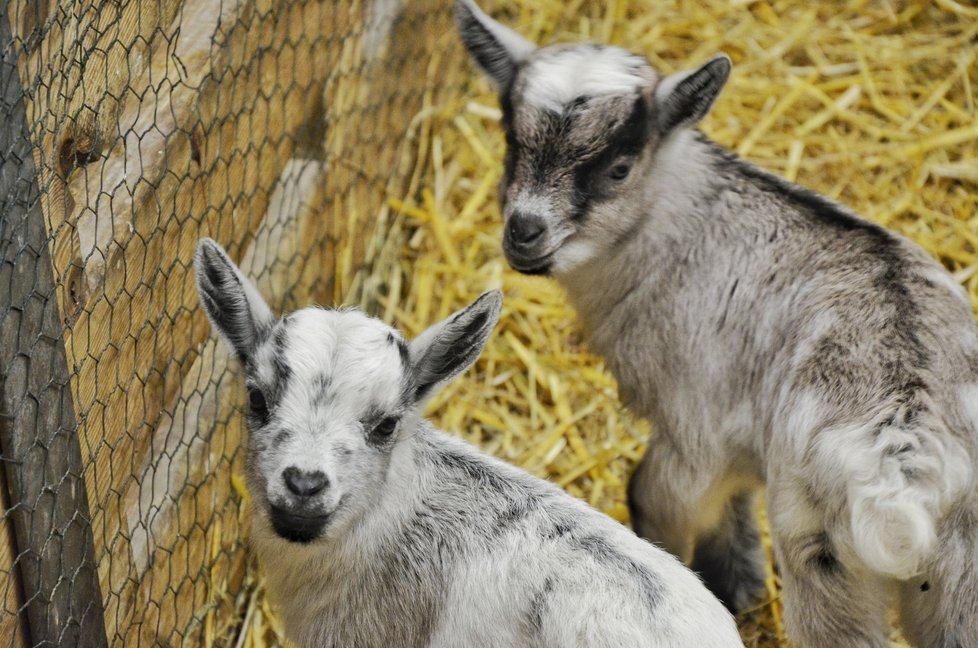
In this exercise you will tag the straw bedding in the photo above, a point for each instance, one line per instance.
(869, 102)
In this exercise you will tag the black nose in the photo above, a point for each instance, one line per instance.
(304, 484)
(525, 230)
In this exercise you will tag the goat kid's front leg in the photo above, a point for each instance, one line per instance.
(663, 495)
(699, 510)
(730, 558)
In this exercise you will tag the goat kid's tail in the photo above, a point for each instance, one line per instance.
(900, 480)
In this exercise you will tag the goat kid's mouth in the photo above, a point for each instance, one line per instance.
(298, 527)
(537, 265)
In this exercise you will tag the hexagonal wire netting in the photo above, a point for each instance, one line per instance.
(131, 129)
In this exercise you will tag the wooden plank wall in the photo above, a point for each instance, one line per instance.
(274, 127)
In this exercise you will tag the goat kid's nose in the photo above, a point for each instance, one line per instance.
(305, 484)
(525, 230)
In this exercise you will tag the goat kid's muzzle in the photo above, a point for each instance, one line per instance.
(526, 244)
(300, 525)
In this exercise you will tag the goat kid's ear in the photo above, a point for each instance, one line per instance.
(684, 98)
(496, 48)
(446, 349)
(232, 303)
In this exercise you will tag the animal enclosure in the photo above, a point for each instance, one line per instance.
(131, 129)
(346, 152)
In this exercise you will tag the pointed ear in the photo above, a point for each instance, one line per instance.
(231, 301)
(497, 49)
(684, 98)
(448, 348)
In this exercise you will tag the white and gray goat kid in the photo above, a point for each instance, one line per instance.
(769, 334)
(375, 529)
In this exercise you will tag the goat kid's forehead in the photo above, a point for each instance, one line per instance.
(559, 76)
(573, 97)
(320, 356)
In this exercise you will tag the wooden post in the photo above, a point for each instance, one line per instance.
(13, 617)
(38, 434)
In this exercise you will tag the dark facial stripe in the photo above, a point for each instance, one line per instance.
(512, 145)
(590, 177)
(402, 348)
(323, 383)
(280, 341)
(589, 168)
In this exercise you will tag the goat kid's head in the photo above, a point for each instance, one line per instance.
(330, 392)
(583, 123)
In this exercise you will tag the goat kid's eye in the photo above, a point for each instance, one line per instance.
(256, 400)
(620, 171)
(386, 427)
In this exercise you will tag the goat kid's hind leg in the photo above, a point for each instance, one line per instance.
(730, 558)
(939, 608)
(827, 603)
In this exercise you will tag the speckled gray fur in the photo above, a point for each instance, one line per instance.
(770, 335)
(417, 538)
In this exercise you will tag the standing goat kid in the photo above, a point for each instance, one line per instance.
(770, 336)
(376, 529)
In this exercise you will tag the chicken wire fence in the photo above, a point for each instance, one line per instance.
(129, 130)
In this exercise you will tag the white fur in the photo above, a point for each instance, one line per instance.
(532, 202)
(572, 255)
(968, 401)
(945, 280)
(894, 500)
(802, 417)
(354, 352)
(319, 586)
(489, 589)
(682, 171)
(553, 80)
(418, 538)
(669, 83)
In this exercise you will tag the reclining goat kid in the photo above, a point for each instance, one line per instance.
(769, 334)
(375, 529)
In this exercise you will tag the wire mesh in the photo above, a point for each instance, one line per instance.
(135, 128)
(130, 128)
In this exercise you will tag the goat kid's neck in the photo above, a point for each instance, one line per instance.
(679, 188)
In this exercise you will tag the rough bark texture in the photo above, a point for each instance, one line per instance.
(48, 557)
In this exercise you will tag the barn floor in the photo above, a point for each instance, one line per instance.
(871, 103)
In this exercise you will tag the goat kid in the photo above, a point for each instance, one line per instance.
(770, 336)
(375, 529)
